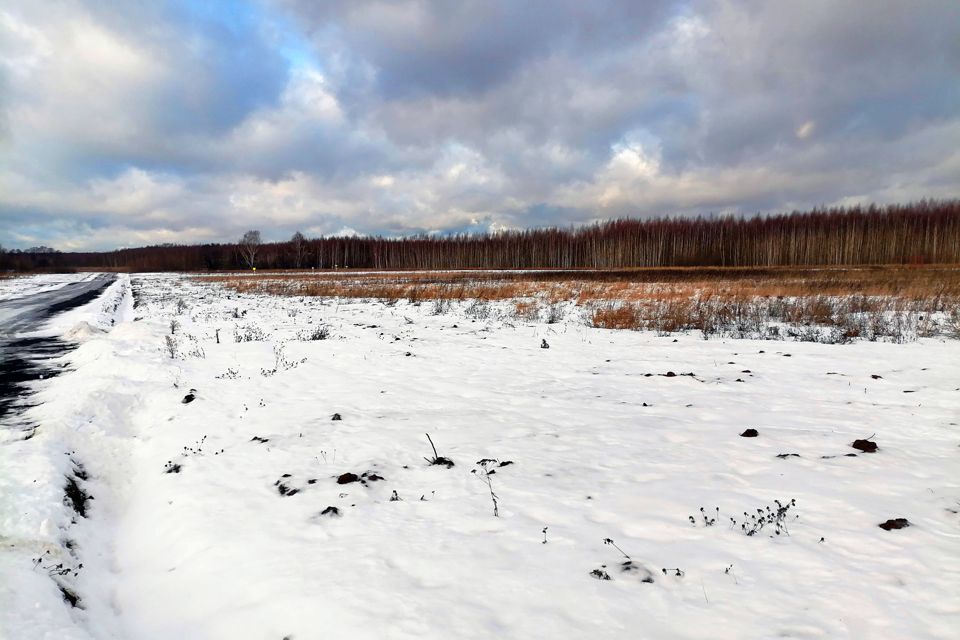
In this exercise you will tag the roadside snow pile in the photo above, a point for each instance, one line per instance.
(112, 306)
(82, 331)
(598, 488)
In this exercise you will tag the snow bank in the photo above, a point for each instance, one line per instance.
(114, 305)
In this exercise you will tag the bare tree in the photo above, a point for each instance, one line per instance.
(298, 247)
(249, 246)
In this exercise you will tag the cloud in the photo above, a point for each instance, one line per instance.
(804, 130)
(133, 122)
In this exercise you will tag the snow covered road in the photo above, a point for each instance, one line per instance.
(26, 343)
(216, 435)
(23, 306)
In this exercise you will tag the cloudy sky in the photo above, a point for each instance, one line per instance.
(136, 122)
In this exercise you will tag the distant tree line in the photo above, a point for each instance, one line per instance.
(922, 232)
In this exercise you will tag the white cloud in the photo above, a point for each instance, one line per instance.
(804, 130)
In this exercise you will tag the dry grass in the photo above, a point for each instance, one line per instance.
(526, 310)
(609, 285)
(625, 316)
(870, 302)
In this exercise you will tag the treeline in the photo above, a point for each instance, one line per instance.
(921, 232)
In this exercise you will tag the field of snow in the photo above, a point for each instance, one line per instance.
(211, 466)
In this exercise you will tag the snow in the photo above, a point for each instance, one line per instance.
(23, 286)
(215, 551)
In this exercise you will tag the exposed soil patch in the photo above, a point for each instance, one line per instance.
(70, 596)
(74, 496)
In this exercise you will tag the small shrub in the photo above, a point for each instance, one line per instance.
(952, 322)
(754, 523)
(170, 346)
(478, 310)
(525, 310)
(280, 361)
(439, 307)
(321, 332)
(249, 333)
(554, 314)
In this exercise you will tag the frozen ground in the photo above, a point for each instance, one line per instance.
(604, 444)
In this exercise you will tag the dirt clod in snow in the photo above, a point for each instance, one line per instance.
(894, 523)
(750, 433)
(629, 566)
(285, 490)
(347, 478)
(443, 461)
(867, 446)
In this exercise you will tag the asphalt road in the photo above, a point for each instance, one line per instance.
(24, 359)
(20, 315)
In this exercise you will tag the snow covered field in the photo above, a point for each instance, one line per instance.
(230, 515)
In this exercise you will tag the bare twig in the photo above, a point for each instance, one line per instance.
(486, 478)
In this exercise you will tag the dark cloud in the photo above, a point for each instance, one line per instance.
(419, 48)
(136, 121)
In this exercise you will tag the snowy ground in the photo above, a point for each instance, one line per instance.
(604, 444)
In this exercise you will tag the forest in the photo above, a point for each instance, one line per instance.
(924, 232)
